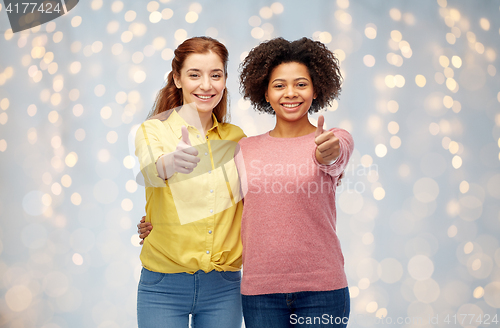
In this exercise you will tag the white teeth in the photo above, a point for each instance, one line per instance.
(290, 105)
(204, 97)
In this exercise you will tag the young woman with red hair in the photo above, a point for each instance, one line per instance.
(192, 259)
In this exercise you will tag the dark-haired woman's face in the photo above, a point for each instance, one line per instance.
(202, 81)
(290, 91)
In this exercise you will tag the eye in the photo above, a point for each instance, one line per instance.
(194, 75)
(279, 86)
(216, 76)
(302, 84)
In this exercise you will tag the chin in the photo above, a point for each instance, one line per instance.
(293, 117)
(205, 109)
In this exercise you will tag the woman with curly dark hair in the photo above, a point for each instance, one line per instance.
(292, 260)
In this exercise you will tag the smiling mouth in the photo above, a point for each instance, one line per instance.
(291, 105)
(204, 97)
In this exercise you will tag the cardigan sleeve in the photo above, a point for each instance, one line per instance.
(346, 144)
(240, 165)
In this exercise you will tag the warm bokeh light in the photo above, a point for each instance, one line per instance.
(76, 199)
(420, 80)
(395, 14)
(396, 35)
(71, 159)
(456, 162)
(76, 21)
(395, 142)
(464, 187)
(380, 150)
(379, 193)
(66, 180)
(484, 23)
(129, 162)
(444, 61)
(180, 35)
(392, 106)
(371, 31)
(191, 17)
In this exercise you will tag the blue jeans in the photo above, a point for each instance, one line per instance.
(302, 309)
(167, 299)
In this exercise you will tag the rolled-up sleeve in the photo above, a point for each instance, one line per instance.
(346, 144)
(148, 149)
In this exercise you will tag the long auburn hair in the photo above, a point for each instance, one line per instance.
(170, 96)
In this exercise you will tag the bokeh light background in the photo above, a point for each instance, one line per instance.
(418, 211)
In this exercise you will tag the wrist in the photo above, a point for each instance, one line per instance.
(323, 161)
(165, 167)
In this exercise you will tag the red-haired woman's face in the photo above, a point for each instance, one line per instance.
(290, 91)
(202, 80)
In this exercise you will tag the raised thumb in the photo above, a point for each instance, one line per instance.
(185, 135)
(319, 129)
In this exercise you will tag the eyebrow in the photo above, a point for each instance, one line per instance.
(198, 70)
(299, 78)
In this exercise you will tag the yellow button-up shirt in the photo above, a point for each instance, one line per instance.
(196, 217)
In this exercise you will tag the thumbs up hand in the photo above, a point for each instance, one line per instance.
(185, 156)
(183, 159)
(185, 136)
(327, 144)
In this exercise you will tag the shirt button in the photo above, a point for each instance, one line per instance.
(197, 136)
(211, 211)
(211, 190)
(209, 231)
(209, 171)
(207, 137)
(206, 154)
(208, 252)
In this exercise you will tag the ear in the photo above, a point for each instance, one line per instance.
(314, 95)
(177, 82)
(265, 95)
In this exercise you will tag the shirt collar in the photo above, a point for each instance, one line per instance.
(176, 122)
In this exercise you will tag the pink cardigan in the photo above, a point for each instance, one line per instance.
(289, 218)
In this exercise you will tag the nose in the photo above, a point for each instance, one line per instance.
(205, 83)
(290, 91)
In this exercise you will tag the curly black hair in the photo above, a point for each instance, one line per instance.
(321, 63)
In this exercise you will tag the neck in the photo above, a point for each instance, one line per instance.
(201, 121)
(292, 129)
(206, 120)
